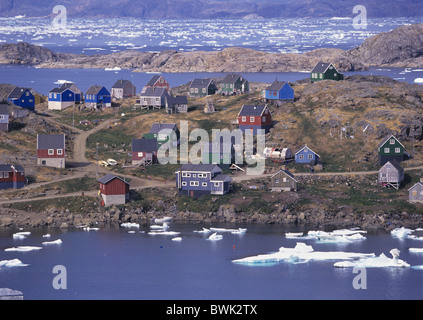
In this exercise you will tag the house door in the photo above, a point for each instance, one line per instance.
(191, 193)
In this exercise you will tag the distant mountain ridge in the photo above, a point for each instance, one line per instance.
(401, 47)
(201, 9)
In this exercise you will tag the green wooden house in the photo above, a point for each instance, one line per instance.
(162, 132)
(325, 71)
(202, 87)
(234, 84)
(389, 149)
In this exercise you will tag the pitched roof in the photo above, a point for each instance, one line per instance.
(305, 146)
(171, 100)
(201, 168)
(222, 178)
(157, 127)
(286, 172)
(50, 141)
(395, 164)
(388, 138)
(321, 67)
(94, 89)
(145, 145)
(153, 80)
(109, 177)
(201, 83)
(153, 92)
(232, 78)
(416, 185)
(64, 87)
(252, 110)
(4, 108)
(276, 85)
(17, 92)
(121, 83)
(8, 168)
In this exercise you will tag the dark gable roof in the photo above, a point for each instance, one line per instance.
(64, 87)
(305, 146)
(395, 164)
(4, 109)
(287, 173)
(8, 168)
(385, 140)
(50, 141)
(321, 67)
(201, 167)
(222, 178)
(153, 80)
(418, 184)
(231, 78)
(252, 110)
(201, 83)
(276, 85)
(144, 145)
(157, 127)
(154, 92)
(94, 90)
(17, 92)
(109, 177)
(120, 84)
(171, 100)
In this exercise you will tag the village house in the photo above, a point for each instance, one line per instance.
(202, 87)
(157, 81)
(144, 152)
(98, 97)
(325, 71)
(390, 148)
(4, 117)
(279, 91)
(51, 150)
(113, 190)
(12, 176)
(218, 153)
(68, 94)
(163, 132)
(254, 117)
(196, 180)
(305, 155)
(283, 180)
(234, 84)
(391, 174)
(178, 104)
(153, 98)
(123, 89)
(22, 97)
(415, 193)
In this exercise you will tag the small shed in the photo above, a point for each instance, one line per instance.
(283, 180)
(51, 150)
(415, 193)
(305, 155)
(178, 104)
(279, 90)
(144, 151)
(113, 190)
(391, 174)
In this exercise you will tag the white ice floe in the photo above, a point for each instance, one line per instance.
(401, 233)
(58, 241)
(177, 239)
(381, 261)
(130, 225)
(164, 226)
(21, 235)
(416, 250)
(47, 235)
(205, 230)
(215, 237)
(23, 249)
(234, 231)
(301, 253)
(418, 80)
(12, 263)
(90, 229)
(162, 220)
(337, 236)
(164, 233)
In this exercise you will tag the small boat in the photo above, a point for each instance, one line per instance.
(112, 162)
(103, 163)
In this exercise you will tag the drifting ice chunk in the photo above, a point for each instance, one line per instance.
(215, 237)
(165, 226)
(205, 230)
(177, 239)
(48, 235)
(58, 241)
(401, 233)
(130, 225)
(164, 233)
(235, 231)
(23, 249)
(376, 262)
(21, 235)
(12, 263)
(416, 250)
(91, 229)
(162, 220)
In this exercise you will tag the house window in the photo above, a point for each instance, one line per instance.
(335, 74)
(59, 152)
(194, 183)
(27, 94)
(383, 175)
(243, 119)
(204, 90)
(162, 137)
(140, 154)
(192, 90)
(2, 117)
(161, 80)
(1, 175)
(386, 150)
(397, 150)
(321, 76)
(6, 175)
(184, 183)
(264, 119)
(157, 99)
(186, 175)
(202, 175)
(276, 180)
(301, 156)
(310, 156)
(414, 193)
(275, 93)
(204, 184)
(392, 141)
(50, 152)
(284, 180)
(196, 90)
(216, 184)
(251, 119)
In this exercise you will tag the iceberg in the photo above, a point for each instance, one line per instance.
(301, 252)
(130, 225)
(22, 249)
(381, 261)
(12, 263)
(418, 80)
(337, 236)
(215, 237)
(165, 226)
(21, 235)
(401, 233)
(235, 231)
(58, 241)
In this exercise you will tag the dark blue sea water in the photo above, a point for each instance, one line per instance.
(114, 264)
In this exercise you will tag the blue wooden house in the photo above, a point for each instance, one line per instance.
(279, 90)
(68, 94)
(305, 155)
(22, 97)
(98, 97)
(196, 180)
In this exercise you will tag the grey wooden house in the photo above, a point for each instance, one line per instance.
(391, 174)
(178, 104)
(283, 180)
(415, 193)
(123, 89)
(154, 98)
(4, 117)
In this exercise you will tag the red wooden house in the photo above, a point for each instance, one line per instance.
(113, 189)
(144, 151)
(12, 176)
(157, 81)
(51, 150)
(253, 117)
